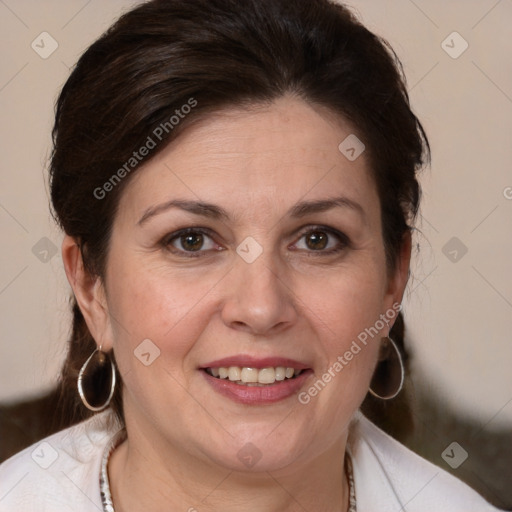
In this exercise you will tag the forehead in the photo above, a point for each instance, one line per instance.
(252, 159)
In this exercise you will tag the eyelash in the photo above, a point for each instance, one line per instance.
(344, 241)
(167, 241)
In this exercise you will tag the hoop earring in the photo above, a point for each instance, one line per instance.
(387, 382)
(97, 374)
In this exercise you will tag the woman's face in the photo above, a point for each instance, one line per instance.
(282, 265)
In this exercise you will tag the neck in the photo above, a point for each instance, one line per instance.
(149, 475)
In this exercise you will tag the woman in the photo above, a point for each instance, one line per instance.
(237, 186)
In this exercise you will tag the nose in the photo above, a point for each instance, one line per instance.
(259, 298)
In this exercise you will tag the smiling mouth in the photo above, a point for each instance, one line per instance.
(246, 376)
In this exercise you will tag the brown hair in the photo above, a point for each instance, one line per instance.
(219, 53)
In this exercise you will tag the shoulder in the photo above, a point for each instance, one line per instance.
(388, 477)
(61, 472)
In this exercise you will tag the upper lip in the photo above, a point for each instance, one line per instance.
(246, 361)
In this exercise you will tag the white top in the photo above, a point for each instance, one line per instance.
(61, 473)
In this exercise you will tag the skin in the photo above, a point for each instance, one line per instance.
(292, 301)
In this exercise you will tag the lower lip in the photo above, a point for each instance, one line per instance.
(257, 395)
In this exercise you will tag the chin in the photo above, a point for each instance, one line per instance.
(258, 453)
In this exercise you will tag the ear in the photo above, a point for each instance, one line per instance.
(398, 280)
(89, 293)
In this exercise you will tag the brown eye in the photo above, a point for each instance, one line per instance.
(189, 240)
(192, 241)
(323, 241)
(316, 240)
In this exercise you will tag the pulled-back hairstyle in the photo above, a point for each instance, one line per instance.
(215, 54)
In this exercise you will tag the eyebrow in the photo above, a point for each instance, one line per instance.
(197, 207)
(213, 211)
(307, 207)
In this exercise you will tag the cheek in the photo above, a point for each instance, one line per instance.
(172, 311)
(168, 308)
(345, 311)
(346, 303)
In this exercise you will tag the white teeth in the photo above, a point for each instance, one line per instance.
(254, 376)
(234, 373)
(267, 376)
(249, 375)
(280, 373)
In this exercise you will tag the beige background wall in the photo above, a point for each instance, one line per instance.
(458, 306)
